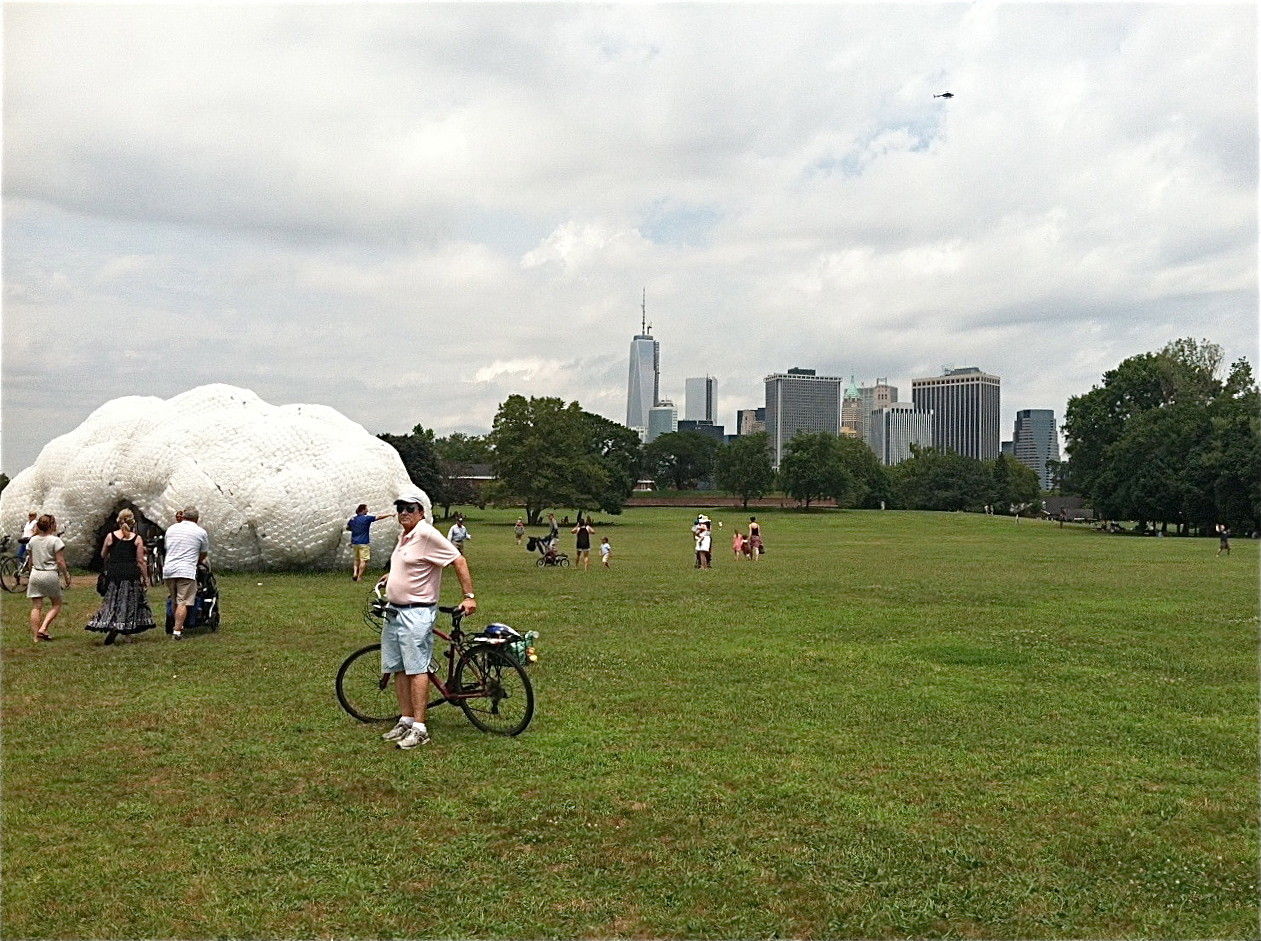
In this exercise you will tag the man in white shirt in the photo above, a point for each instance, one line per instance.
(27, 532)
(458, 533)
(187, 545)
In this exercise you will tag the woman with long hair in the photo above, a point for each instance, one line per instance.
(125, 608)
(48, 566)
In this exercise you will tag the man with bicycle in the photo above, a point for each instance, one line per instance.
(412, 589)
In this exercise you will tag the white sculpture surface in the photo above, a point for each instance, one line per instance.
(274, 484)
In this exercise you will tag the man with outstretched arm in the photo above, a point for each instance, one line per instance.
(412, 590)
(361, 539)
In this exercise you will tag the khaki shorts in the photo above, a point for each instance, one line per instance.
(183, 590)
(363, 553)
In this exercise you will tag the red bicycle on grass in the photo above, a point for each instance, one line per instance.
(482, 677)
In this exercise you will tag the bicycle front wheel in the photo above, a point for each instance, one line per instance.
(502, 700)
(363, 690)
(9, 574)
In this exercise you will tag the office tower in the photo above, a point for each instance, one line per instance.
(861, 401)
(700, 399)
(965, 406)
(663, 418)
(880, 395)
(749, 421)
(892, 429)
(1034, 442)
(706, 428)
(852, 410)
(645, 374)
(798, 401)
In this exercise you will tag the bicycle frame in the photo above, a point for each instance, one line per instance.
(454, 651)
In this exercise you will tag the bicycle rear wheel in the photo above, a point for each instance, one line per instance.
(156, 559)
(363, 690)
(9, 574)
(503, 703)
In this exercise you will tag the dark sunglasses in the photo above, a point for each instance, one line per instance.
(402, 506)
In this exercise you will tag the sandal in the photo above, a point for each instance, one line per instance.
(43, 635)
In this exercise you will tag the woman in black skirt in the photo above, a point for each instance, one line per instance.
(125, 608)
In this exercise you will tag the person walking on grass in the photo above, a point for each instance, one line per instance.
(584, 531)
(187, 546)
(519, 530)
(755, 538)
(412, 589)
(704, 546)
(361, 539)
(606, 550)
(458, 534)
(1223, 535)
(48, 566)
(737, 544)
(125, 606)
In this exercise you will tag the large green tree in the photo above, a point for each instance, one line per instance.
(420, 459)
(458, 453)
(1012, 484)
(868, 479)
(681, 458)
(744, 467)
(549, 454)
(811, 469)
(1164, 439)
(933, 479)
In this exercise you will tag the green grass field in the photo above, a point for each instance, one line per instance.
(895, 725)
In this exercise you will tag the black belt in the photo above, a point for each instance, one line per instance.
(414, 604)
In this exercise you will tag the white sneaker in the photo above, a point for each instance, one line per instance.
(415, 736)
(177, 635)
(396, 733)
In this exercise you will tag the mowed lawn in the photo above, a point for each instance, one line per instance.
(894, 725)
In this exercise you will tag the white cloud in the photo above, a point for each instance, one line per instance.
(350, 203)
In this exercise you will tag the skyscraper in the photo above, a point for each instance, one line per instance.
(965, 406)
(1034, 442)
(797, 401)
(663, 418)
(750, 420)
(700, 400)
(644, 385)
(892, 429)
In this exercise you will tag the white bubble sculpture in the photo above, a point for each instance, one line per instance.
(274, 484)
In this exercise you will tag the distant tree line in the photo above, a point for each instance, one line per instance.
(1163, 440)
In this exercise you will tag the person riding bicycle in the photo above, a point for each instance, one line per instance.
(412, 589)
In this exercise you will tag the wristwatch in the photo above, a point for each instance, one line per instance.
(469, 594)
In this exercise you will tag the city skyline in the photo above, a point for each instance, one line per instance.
(408, 212)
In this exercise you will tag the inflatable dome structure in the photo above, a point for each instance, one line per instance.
(274, 484)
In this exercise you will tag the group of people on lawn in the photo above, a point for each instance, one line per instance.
(124, 580)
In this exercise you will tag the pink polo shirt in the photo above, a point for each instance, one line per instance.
(416, 565)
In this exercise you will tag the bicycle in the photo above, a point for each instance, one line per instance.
(482, 677)
(14, 572)
(155, 552)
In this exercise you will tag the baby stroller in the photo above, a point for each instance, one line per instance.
(203, 613)
(546, 548)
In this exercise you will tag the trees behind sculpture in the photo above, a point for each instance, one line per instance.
(549, 454)
(744, 467)
(1166, 440)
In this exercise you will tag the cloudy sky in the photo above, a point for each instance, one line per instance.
(410, 211)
